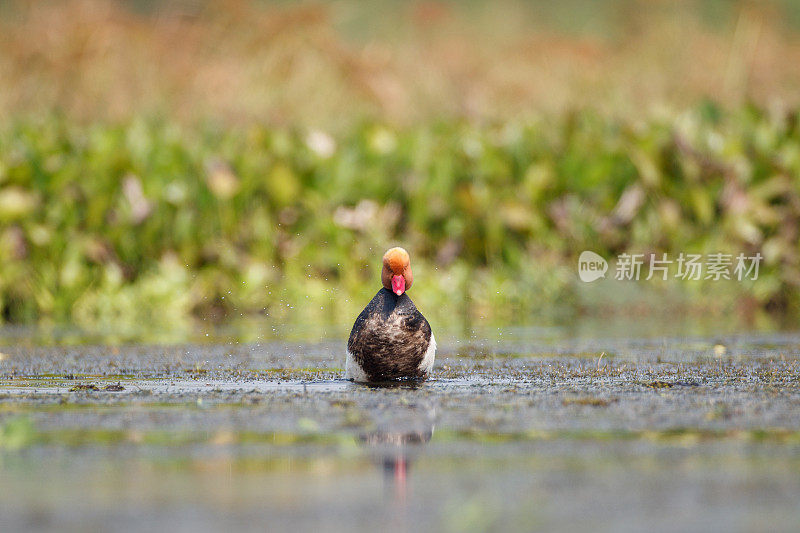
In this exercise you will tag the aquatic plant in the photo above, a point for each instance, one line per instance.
(154, 221)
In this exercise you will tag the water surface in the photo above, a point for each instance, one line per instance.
(518, 429)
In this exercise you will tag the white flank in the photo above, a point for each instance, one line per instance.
(427, 362)
(353, 371)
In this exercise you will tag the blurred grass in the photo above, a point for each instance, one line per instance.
(149, 221)
(170, 160)
(335, 64)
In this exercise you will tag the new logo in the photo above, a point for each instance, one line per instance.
(591, 266)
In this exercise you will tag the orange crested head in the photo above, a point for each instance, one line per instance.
(396, 274)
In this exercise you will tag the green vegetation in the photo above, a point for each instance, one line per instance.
(152, 222)
(249, 161)
(17, 433)
(20, 433)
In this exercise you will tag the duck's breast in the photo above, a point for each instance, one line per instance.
(391, 339)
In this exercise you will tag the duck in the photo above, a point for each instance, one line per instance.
(391, 340)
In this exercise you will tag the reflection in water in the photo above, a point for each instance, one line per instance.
(399, 434)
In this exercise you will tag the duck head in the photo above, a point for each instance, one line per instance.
(396, 274)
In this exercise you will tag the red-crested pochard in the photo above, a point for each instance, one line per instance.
(391, 339)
